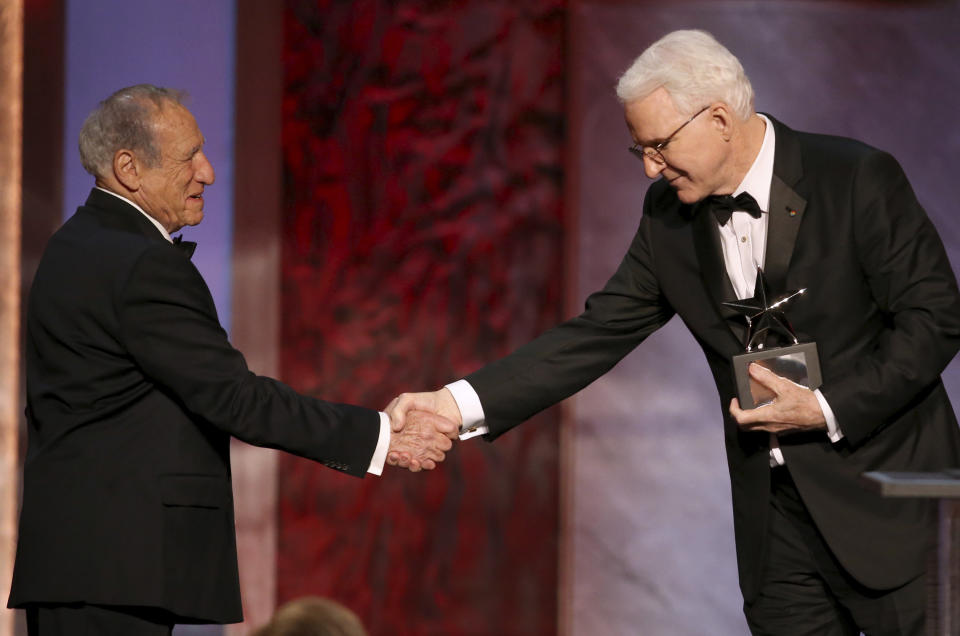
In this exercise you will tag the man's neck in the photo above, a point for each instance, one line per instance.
(748, 140)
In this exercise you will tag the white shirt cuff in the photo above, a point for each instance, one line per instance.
(383, 445)
(833, 428)
(471, 411)
(776, 455)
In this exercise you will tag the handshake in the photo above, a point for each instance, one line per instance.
(423, 426)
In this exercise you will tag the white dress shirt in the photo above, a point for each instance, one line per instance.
(743, 240)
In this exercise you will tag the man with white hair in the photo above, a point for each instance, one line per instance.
(817, 553)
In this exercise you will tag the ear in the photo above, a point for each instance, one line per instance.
(126, 169)
(722, 119)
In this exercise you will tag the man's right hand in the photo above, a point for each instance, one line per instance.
(422, 442)
(402, 412)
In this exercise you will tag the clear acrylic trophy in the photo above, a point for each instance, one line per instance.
(796, 361)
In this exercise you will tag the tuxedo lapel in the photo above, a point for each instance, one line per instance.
(706, 240)
(786, 207)
(116, 212)
(713, 272)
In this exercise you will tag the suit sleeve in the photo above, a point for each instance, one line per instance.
(170, 328)
(913, 285)
(573, 354)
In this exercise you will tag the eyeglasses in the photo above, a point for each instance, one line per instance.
(655, 153)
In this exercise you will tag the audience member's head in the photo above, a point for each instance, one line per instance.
(313, 616)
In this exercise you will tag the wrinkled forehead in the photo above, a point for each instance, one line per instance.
(174, 127)
(171, 115)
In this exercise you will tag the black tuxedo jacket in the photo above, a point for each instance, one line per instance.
(133, 393)
(881, 303)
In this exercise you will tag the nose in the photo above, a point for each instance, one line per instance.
(204, 172)
(652, 167)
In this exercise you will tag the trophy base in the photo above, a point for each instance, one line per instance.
(798, 363)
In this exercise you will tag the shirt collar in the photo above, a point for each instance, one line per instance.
(760, 175)
(156, 223)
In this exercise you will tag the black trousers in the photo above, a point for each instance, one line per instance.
(80, 619)
(805, 590)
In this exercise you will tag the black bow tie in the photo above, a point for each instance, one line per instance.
(187, 247)
(725, 205)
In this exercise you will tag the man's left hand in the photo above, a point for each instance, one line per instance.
(794, 408)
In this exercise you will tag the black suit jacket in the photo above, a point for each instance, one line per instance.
(881, 303)
(133, 393)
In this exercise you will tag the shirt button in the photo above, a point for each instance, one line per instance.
(743, 239)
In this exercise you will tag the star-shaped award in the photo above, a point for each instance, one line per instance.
(764, 315)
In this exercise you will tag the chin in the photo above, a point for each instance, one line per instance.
(689, 197)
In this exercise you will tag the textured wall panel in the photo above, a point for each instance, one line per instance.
(423, 237)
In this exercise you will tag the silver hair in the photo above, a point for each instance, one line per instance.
(124, 120)
(695, 70)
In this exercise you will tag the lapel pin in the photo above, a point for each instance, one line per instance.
(793, 213)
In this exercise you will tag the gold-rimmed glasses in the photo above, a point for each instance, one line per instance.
(655, 153)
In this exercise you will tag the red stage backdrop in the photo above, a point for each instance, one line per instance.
(423, 236)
